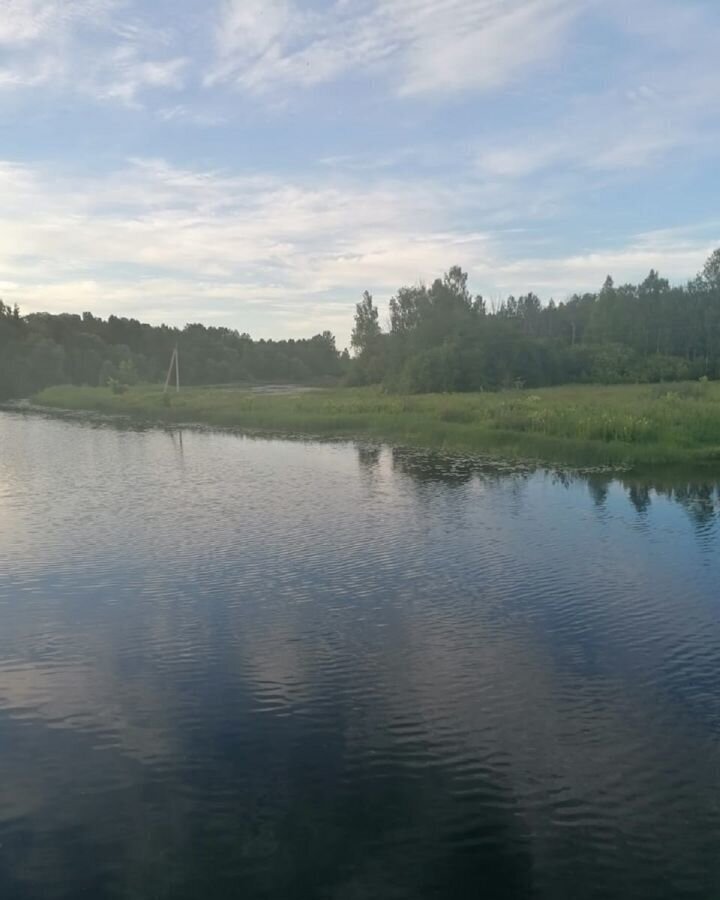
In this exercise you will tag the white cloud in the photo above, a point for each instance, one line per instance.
(208, 243)
(185, 113)
(587, 143)
(424, 46)
(675, 255)
(85, 46)
(279, 257)
(653, 101)
(131, 74)
(250, 27)
(26, 21)
(480, 43)
(291, 254)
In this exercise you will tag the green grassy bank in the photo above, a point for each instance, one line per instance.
(589, 425)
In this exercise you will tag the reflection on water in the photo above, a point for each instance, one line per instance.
(234, 667)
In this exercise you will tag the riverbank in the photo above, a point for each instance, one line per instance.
(631, 426)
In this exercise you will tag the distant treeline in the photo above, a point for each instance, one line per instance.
(441, 338)
(437, 338)
(40, 349)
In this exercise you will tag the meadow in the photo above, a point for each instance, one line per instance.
(621, 426)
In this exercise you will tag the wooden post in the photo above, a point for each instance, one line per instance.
(173, 362)
(167, 380)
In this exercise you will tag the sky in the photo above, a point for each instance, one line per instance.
(258, 164)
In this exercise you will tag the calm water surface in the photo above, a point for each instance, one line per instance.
(254, 668)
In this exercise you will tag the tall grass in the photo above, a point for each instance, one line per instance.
(581, 425)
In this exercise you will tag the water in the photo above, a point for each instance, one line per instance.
(253, 668)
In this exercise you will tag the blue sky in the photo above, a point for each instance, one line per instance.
(260, 164)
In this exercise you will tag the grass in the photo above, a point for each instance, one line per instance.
(587, 425)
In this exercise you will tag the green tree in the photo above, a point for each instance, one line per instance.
(366, 333)
(711, 271)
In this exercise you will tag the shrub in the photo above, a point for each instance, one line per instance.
(117, 386)
(434, 371)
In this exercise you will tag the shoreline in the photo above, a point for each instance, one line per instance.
(613, 428)
(616, 428)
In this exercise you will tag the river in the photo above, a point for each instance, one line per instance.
(240, 667)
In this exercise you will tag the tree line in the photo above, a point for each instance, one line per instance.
(436, 338)
(40, 349)
(442, 338)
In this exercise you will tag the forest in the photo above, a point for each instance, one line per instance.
(437, 338)
(441, 338)
(40, 349)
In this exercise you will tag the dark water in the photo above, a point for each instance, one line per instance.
(243, 668)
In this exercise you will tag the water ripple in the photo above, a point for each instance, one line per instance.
(234, 667)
